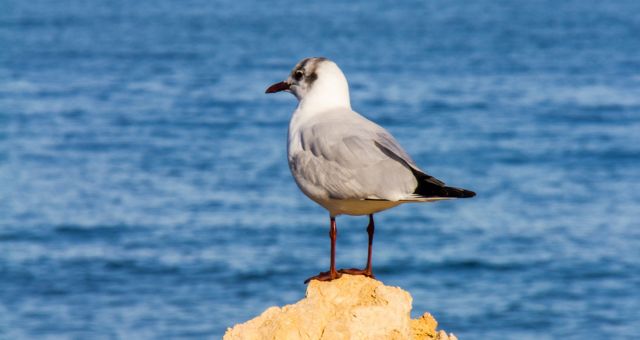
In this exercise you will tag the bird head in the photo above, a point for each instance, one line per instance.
(317, 80)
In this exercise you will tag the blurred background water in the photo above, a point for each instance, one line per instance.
(144, 190)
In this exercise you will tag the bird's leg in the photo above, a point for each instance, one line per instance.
(371, 228)
(332, 274)
(367, 271)
(333, 234)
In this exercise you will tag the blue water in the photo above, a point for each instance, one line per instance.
(144, 190)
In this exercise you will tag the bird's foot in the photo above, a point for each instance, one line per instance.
(325, 276)
(355, 271)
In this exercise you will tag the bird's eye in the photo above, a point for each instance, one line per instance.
(298, 75)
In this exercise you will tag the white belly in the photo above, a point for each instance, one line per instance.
(356, 207)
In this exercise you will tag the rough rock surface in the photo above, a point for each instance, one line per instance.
(352, 307)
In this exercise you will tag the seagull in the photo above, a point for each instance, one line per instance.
(345, 162)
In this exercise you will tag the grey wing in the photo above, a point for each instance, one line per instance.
(392, 148)
(354, 159)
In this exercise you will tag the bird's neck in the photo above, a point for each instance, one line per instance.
(326, 96)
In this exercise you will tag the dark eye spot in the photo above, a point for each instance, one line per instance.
(297, 75)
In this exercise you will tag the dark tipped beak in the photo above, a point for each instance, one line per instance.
(277, 87)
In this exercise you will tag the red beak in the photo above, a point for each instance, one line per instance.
(277, 87)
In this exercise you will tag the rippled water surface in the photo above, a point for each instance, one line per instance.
(144, 190)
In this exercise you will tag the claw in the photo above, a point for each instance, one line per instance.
(324, 276)
(354, 271)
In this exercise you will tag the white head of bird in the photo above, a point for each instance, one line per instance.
(318, 83)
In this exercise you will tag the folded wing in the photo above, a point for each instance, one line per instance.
(346, 156)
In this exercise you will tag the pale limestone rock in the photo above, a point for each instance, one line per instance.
(352, 307)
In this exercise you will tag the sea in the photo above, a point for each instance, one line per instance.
(145, 192)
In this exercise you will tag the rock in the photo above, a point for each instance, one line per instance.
(352, 307)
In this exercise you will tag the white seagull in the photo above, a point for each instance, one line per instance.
(345, 162)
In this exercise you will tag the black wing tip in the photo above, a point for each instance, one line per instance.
(429, 186)
(457, 192)
(467, 193)
(426, 189)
